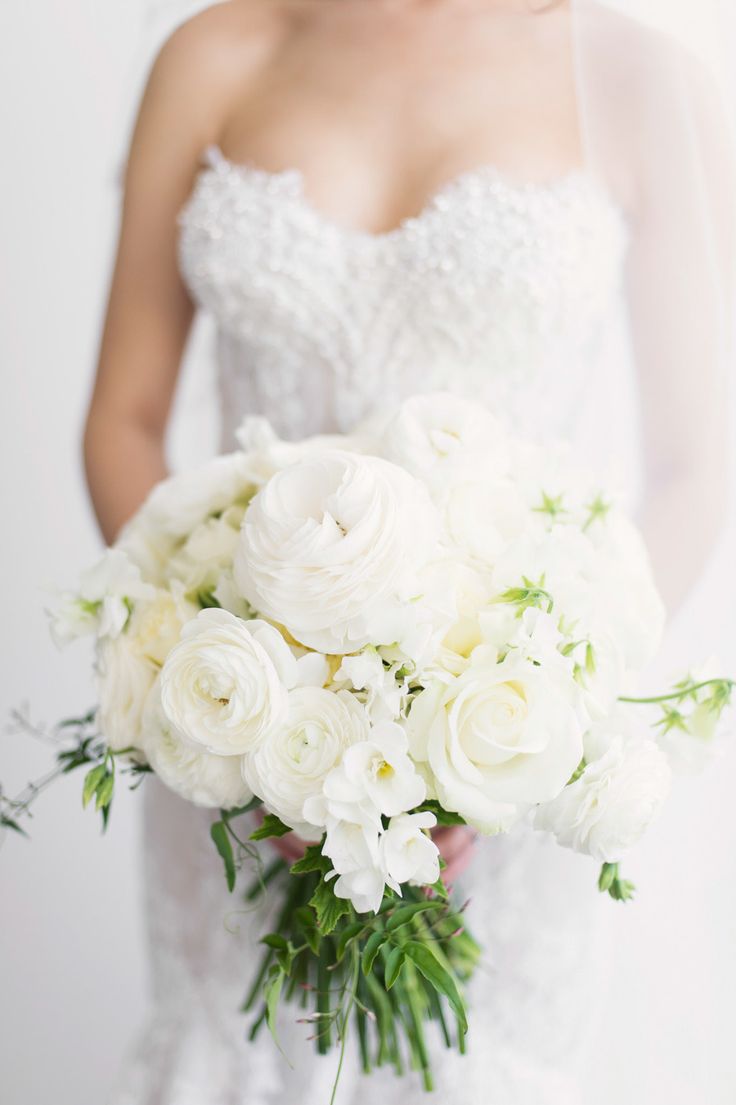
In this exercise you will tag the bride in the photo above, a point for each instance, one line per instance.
(523, 201)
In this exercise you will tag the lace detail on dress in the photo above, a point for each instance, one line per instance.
(493, 286)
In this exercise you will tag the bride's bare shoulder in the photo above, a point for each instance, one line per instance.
(229, 35)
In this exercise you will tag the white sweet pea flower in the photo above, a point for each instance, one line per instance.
(366, 672)
(408, 853)
(215, 782)
(102, 605)
(497, 738)
(357, 864)
(615, 800)
(375, 776)
(331, 548)
(442, 438)
(223, 687)
(291, 765)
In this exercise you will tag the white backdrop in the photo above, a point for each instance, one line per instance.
(72, 973)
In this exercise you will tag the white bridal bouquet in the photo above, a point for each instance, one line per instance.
(426, 623)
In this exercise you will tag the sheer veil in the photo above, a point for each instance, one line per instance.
(654, 109)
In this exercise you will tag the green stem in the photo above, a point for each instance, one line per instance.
(682, 693)
(346, 1022)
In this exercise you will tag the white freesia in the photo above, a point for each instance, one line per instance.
(102, 605)
(612, 804)
(441, 438)
(124, 679)
(357, 864)
(215, 782)
(291, 765)
(331, 547)
(408, 853)
(222, 685)
(375, 776)
(498, 738)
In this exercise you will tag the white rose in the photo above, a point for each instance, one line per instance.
(177, 505)
(291, 765)
(222, 685)
(375, 776)
(498, 738)
(124, 678)
(442, 438)
(331, 548)
(408, 853)
(102, 605)
(212, 781)
(613, 803)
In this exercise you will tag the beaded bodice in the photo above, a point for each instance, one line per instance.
(495, 287)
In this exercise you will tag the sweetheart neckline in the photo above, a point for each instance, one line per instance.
(217, 163)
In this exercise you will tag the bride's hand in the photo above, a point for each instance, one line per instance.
(456, 845)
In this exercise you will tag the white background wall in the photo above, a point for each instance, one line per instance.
(72, 978)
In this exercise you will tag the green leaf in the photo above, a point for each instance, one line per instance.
(394, 963)
(104, 792)
(406, 912)
(272, 993)
(346, 935)
(272, 826)
(222, 842)
(371, 949)
(10, 823)
(328, 907)
(312, 860)
(427, 963)
(276, 941)
(444, 817)
(92, 780)
(238, 810)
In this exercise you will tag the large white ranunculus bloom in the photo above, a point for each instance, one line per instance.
(498, 738)
(408, 853)
(613, 803)
(443, 438)
(291, 765)
(179, 504)
(331, 548)
(222, 686)
(124, 678)
(215, 782)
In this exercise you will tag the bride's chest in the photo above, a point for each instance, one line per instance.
(487, 261)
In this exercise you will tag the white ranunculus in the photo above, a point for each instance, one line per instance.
(124, 678)
(610, 807)
(408, 853)
(179, 504)
(223, 685)
(215, 782)
(291, 765)
(331, 548)
(375, 776)
(498, 738)
(443, 438)
(102, 605)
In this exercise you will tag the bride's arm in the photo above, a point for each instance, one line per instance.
(149, 312)
(680, 285)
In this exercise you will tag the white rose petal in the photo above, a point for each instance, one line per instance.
(497, 739)
(221, 685)
(211, 781)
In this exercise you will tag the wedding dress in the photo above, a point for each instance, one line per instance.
(498, 289)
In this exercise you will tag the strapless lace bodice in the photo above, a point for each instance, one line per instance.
(500, 291)
(494, 289)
